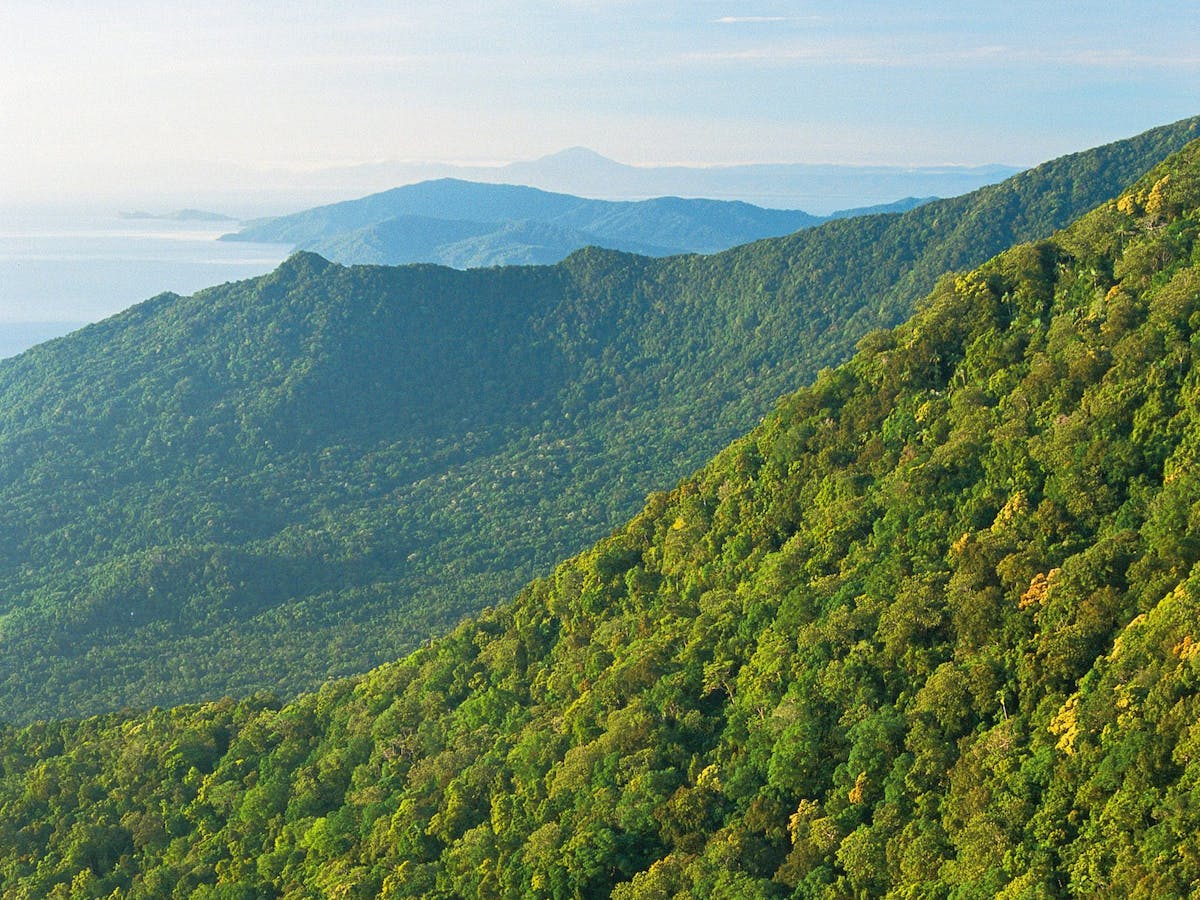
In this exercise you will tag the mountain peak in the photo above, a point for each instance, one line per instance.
(578, 154)
(305, 261)
(300, 266)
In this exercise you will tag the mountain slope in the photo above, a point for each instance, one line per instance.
(295, 477)
(465, 245)
(929, 630)
(896, 206)
(403, 225)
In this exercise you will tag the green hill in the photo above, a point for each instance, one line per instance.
(929, 630)
(296, 477)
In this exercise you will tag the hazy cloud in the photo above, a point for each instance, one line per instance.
(752, 20)
(126, 90)
(885, 54)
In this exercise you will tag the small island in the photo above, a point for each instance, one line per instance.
(181, 215)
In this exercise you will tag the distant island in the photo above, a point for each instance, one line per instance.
(468, 224)
(180, 215)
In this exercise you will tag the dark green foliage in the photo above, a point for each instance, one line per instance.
(929, 630)
(300, 476)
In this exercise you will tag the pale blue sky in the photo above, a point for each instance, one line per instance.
(105, 97)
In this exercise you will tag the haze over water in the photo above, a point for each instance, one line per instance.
(63, 268)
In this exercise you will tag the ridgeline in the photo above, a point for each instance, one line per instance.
(929, 630)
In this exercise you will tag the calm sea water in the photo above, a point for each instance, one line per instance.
(62, 269)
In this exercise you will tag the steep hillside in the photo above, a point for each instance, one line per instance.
(299, 476)
(929, 630)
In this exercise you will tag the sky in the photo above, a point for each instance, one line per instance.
(132, 98)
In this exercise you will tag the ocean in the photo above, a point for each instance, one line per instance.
(61, 269)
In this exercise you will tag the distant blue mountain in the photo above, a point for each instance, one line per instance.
(883, 208)
(463, 244)
(815, 187)
(468, 224)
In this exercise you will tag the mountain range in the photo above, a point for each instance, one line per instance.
(179, 215)
(282, 480)
(820, 188)
(468, 224)
(929, 629)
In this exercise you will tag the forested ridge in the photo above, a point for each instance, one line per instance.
(929, 630)
(300, 476)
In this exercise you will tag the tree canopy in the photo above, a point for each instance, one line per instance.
(928, 630)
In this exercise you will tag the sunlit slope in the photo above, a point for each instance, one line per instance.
(929, 630)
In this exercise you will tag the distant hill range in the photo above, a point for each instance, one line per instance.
(180, 215)
(818, 188)
(467, 224)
